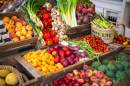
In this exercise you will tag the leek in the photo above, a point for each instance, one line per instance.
(67, 10)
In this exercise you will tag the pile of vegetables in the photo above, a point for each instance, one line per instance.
(31, 8)
(58, 24)
(85, 12)
(2, 2)
(67, 10)
(118, 69)
(103, 23)
(96, 43)
(121, 40)
(84, 45)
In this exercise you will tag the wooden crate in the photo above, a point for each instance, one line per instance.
(14, 47)
(43, 79)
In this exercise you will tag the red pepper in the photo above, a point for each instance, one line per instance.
(39, 14)
(46, 35)
(45, 16)
(49, 41)
(50, 21)
(53, 33)
(49, 29)
(44, 11)
(49, 14)
(48, 26)
(55, 39)
(41, 8)
(45, 22)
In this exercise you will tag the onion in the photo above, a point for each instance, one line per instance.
(81, 53)
(74, 48)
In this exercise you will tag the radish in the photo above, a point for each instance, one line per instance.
(84, 10)
(93, 6)
(81, 18)
(79, 8)
(90, 10)
(86, 20)
(79, 22)
(84, 5)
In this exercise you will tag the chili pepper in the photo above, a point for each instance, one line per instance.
(49, 41)
(45, 16)
(46, 35)
(55, 39)
(53, 33)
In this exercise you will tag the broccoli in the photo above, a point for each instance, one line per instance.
(95, 64)
(110, 74)
(125, 64)
(105, 62)
(112, 67)
(118, 65)
(121, 76)
(127, 71)
(121, 58)
(102, 68)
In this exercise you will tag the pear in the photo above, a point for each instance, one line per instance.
(11, 79)
(4, 73)
(2, 82)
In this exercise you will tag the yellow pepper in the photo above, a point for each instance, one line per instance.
(125, 43)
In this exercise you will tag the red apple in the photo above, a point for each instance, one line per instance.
(93, 78)
(99, 74)
(69, 76)
(71, 61)
(89, 73)
(55, 83)
(57, 59)
(66, 82)
(62, 60)
(65, 63)
(76, 59)
(109, 83)
(51, 49)
(68, 53)
(95, 84)
(80, 81)
(56, 47)
(72, 56)
(75, 72)
(85, 67)
(65, 48)
(62, 53)
(70, 84)
(97, 81)
(76, 84)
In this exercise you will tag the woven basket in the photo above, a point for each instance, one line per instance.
(107, 35)
(13, 70)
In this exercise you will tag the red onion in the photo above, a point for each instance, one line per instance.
(74, 47)
(81, 53)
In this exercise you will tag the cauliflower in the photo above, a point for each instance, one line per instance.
(95, 64)
(102, 68)
(111, 67)
(121, 76)
(125, 64)
(110, 74)
(105, 62)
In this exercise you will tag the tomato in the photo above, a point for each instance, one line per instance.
(89, 36)
(124, 40)
(115, 40)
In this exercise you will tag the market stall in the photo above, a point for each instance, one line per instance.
(70, 45)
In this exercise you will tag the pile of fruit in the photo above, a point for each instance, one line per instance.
(17, 28)
(121, 40)
(2, 2)
(117, 69)
(85, 12)
(43, 61)
(96, 43)
(86, 77)
(7, 78)
(63, 55)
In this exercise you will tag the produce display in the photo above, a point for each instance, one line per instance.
(7, 78)
(2, 2)
(85, 12)
(85, 77)
(117, 69)
(63, 55)
(8, 5)
(122, 40)
(17, 28)
(43, 61)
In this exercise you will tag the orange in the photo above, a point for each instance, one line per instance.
(52, 70)
(58, 64)
(47, 55)
(60, 67)
(54, 67)
(39, 63)
(54, 53)
(48, 61)
(39, 68)
(44, 69)
(57, 69)
(34, 64)
(44, 63)
(44, 73)
(48, 72)
(40, 58)
(51, 58)
(29, 60)
(51, 62)
(44, 58)
(50, 67)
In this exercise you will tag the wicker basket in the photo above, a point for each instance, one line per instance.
(106, 34)
(13, 70)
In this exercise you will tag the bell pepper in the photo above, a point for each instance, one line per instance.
(45, 22)
(45, 16)
(43, 30)
(41, 8)
(46, 35)
(39, 14)
(125, 43)
(44, 11)
(49, 29)
(55, 39)
(53, 33)
(50, 21)
(49, 14)
(49, 41)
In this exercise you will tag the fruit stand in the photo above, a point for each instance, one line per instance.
(61, 43)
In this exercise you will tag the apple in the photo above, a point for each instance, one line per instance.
(68, 53)
(72, 56)
(57, 59)
(65, 63)
(51, 49)
(62, 53)
(76, 59)
(65, 48)
(56, 47)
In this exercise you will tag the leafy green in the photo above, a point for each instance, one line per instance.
(102, 68)
(105, 62)
(110, 74)
(111, 67)
(95, 64)
(121, 76)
